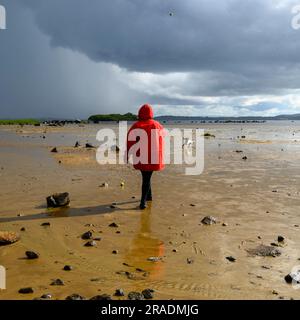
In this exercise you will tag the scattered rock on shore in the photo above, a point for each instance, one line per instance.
(102, 297)
(135, 296)
(231, 259)
(264, 251)
(57, 282)
(31, 255)
(113, 225)
(75, 296)
(209, 220)
(148, 294)
(87, 235)
(89, 146)
(27, 290)
(293, 276)
(90, 244)
(119, 293)
(45, 224)
(8, 237)
(58, 200)
(54, 150)
(68, 268)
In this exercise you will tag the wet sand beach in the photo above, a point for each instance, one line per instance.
(254, 201)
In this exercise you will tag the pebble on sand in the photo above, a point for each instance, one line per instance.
(119, 293)
(90, 244)
(8, 237)
(27, 290)
(209, 220)
(75, 296)
(231, 259)
(58, 200)
(135, 296)
(87, 235)
(102, 297)
(57, 282)
(31, 255)
(148, 294)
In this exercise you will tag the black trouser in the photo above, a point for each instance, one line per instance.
(146, 186)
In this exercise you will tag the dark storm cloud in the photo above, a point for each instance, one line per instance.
(74, 57)
(231, 35)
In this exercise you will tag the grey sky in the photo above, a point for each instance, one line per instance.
(73, 58)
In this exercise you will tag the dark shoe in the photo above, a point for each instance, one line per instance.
(143, 206)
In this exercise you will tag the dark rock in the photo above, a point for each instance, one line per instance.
(209, 220)
(231, 259)
(148, 294)
(135, 296)
(280, 239)
(54, 150)
(8, 237)
(274, 244)
(77, 144)
(46, 296)
(102, 297)
(58, 200)
(75, 296)
(68, 268)
(115, 252)
(113, 225)
(26, 290)
(57, 282)
(90, 146)
(23, 229)
(31, 255)
(90, 244)
(119, 293)
(190, 260)
(87, 235)
(293, 276)
(45, 224)
(245, 158)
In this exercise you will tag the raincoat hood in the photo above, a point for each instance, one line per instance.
(146, 112)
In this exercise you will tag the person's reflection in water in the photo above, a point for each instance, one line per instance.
(144, 246)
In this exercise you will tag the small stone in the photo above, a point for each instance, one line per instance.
(104, 185)
(58, 200)
(175, 250)
(87, 235)
(54, 150)
(209, 220)
(189, 260)
(154, 259)
(115, 252)
(77, 144)
(122, 184)
(89, 146)
(275, 292)
(224, 224)
(57, 282)
(45, 224)
(8, 237)
(244, 158)
(148, 294)
(26, 290)
(280, 239)
(31, 255)
(231, 259)
(113, 225)
(75, 296)
(68, 268)
(46, 296)
(135, 296)
(90, 244)
(119, 293)
(102, 297)
(23, 229)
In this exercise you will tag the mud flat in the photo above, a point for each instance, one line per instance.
(166, 247)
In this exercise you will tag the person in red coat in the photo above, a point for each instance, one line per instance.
(145, 143)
